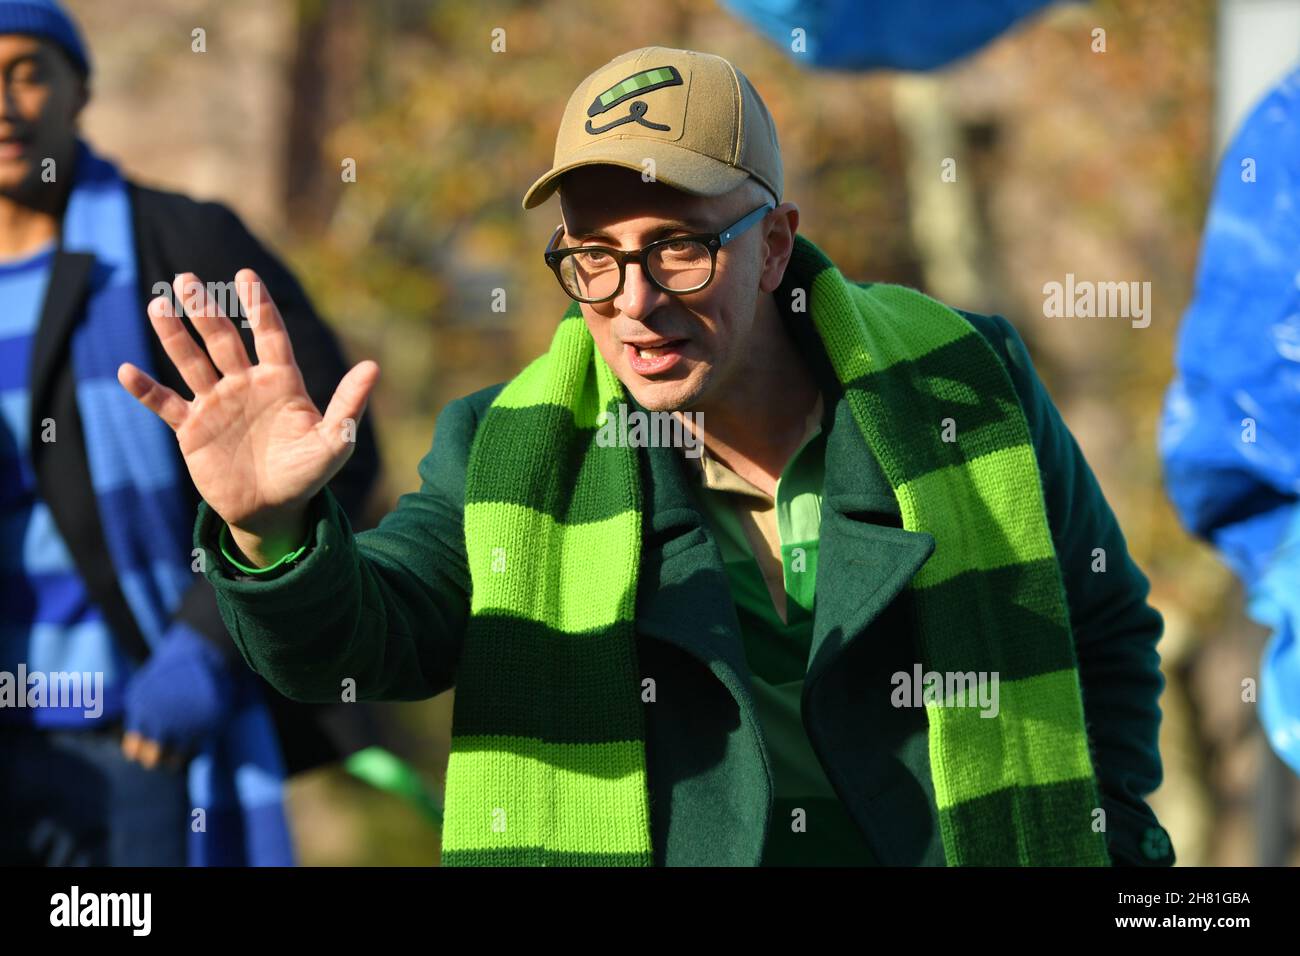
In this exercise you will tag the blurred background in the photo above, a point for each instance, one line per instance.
(1069, 159)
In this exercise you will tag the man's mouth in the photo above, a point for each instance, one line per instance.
(13, 147)
(653, 356)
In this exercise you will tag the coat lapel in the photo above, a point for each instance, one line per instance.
(876, 755)
(684, 596)
(684, 601)
(864, 557)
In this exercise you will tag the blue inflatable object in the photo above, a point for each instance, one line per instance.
(866, 34)
(1230, 430)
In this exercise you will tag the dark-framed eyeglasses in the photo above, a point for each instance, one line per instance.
(676, 265)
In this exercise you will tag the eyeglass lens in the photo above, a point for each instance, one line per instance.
(677, 266)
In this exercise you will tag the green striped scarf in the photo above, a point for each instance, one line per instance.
(547, 761)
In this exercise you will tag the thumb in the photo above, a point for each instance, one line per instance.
(349, 403)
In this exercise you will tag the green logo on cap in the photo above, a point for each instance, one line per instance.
(635, 85)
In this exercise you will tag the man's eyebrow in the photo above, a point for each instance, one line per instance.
(36, 56)
(582, 234)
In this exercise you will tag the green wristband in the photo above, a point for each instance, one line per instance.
(224, 537)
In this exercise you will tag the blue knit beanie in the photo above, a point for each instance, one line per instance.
(47, 19)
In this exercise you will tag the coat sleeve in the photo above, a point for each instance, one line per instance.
(386, 608)
(1115, 629)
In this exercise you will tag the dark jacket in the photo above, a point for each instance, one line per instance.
(174, 234)
(389, 608)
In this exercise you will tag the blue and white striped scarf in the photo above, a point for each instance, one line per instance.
(237, 779)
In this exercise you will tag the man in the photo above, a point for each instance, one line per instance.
(130, 732)
(642, 673)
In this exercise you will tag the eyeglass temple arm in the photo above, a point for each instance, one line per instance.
(737, 228)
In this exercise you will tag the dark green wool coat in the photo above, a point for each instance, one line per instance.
(388, 608)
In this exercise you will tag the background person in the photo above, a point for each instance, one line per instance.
(96, 509)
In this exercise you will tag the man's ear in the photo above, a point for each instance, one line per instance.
(778, 245)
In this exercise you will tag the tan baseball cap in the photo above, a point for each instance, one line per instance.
(694, 114)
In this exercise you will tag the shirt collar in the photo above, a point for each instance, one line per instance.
(715, 476)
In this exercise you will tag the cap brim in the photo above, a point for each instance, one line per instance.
(674, 166)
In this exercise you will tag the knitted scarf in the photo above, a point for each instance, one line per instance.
(236, 778)
(547, 760)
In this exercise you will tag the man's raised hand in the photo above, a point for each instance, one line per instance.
(256, 446)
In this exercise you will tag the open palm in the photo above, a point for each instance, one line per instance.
(256, 446)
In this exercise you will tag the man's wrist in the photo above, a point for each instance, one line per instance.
(265, 558)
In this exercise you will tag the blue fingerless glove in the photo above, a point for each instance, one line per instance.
(182, 693)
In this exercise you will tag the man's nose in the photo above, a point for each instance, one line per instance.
(639, 297)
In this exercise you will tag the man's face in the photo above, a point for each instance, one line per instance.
(41, 94)
(698, 339)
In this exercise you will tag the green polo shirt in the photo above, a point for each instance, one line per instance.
(743, 519)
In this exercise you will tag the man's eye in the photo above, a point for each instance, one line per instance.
(685, 250)
(593, 258)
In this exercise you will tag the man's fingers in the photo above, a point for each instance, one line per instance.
(269, 333)
(219, 333)
(159, 399)
(349, 403)
(131, 744)
(149, 753)
(194, 366)
(141, 749)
